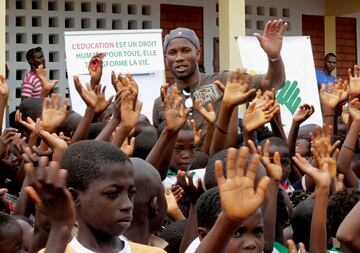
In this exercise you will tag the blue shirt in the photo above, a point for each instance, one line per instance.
(323, 78)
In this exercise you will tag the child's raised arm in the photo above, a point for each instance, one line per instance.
(47, 86)
(239, 198)
(348, 232)
(210, 115)
(236, 92)
(347, 149)
(322, 179)
(175, 117)
(4, 95)
(49, 192)
(303, 113)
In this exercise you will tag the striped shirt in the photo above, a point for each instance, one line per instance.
(31, 86)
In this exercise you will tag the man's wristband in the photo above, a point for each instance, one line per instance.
(222, 130)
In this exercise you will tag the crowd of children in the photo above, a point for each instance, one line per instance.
(110, 181)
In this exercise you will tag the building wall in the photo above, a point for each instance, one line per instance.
(27, 25)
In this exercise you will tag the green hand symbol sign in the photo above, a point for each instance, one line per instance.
(289, 96)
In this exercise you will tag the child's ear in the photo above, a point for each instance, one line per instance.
(154, 207)
(75, 196)
(202, 232)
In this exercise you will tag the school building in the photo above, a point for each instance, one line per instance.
(24, 24)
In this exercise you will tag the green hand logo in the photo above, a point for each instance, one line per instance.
(289, 96)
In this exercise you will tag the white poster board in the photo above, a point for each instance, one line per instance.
(138, 52)
(300, 86)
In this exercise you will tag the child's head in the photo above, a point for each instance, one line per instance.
(209, 177)
(173, 234)
(30, 107)
(248, 238)
(149, 203)
(305, 130)
(279, 145)
(200, 160)
(301, 221)
(340, 204)
(183, 152)
(144, 142)
(95, 129)
(101, 181)
(11, 235)
(71, 122)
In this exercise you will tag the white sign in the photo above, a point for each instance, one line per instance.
(138, 52)
(300, 86)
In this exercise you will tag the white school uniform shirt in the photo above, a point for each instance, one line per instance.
(77, 247)
(171, 179)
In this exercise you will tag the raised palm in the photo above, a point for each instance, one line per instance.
(303, 113)
(87, 94)
(209, 114)
(354, 82)
(354, 109)
(175, 112)
(41, 73)
(254, 118)
(129, 114)
(101, 103)
(239, 198)
(271, 40)
(54, 112)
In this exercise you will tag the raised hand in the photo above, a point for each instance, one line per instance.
(6, 138)
(239, 198)
(209, 115)
(304, 112)
(175, 111)
(236, 90)
(52, 140)
(29, 123)
(354, 81)
(322, 149)
(130, 114)
(271, 40)
(128, 146)
(126, 81)
(87, 94)
(95, 68)
(320, 176)
(196, 132)
(41, 73)
(191, 190)
(101, 103)
(255, 118)
(272, 166)
(49, 191)
(292, 247)
(178, 192)
(54, 112)
(332, 95)
(261, 99)
(354, 109)
(4, 88)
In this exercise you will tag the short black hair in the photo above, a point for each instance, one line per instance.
(31, 52)
(275, 141)
(301, 221)
(340, 204)
(209, 177)
(95, 129)
(173, 234)
(31, 107)
(282, 216)
(86, 160)
(208, 208)
(70, 123)
(200, 160)
(144, 142)
(305, 130)
(6, 221)
(329, 55)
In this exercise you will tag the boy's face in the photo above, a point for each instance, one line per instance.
(285, 159)
(249, 237)
(37, 59)
(11, 240)
(183, 151)
(106, 205)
